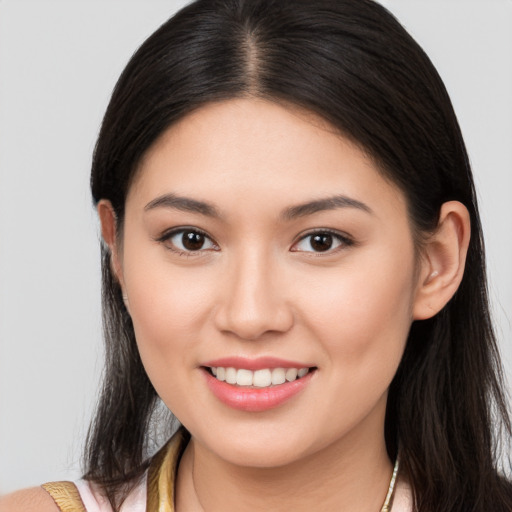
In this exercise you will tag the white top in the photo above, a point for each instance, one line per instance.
(402, 501)
(95, 502)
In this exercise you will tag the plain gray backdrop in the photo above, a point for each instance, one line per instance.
(58, 63)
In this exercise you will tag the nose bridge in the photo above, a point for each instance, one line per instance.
(253, 302)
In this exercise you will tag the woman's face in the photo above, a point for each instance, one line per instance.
(259, 242)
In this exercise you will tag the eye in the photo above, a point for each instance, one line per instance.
(321, 241)
(188, 240)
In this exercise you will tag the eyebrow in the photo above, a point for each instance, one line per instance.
(187, 204)
(328, 203)
(184, 204)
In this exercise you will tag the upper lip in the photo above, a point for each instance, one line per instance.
(258, 363)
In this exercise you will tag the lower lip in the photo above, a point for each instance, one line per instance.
(256, 399)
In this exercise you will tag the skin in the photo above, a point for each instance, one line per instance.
(258, 288)
(35, 499)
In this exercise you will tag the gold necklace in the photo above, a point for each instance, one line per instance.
(388, 502)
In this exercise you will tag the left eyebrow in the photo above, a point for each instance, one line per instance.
(319, 205)
(185, 204)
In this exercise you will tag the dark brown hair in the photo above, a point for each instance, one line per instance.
(352, 63)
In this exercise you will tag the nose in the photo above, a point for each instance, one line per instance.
(253, 300)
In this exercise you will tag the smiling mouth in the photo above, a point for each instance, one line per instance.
(264, 378)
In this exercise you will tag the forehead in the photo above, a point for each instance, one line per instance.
(245, 148)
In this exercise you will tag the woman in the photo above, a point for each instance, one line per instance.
(293, 264)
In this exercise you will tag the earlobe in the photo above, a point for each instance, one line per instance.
(443, 262)
(108, 222)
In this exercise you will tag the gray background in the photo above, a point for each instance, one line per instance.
(58, 63)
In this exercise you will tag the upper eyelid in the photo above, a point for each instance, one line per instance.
(168, 233)
(346, 238)
(315, 231)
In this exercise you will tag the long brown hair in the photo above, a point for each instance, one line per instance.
(351, 62)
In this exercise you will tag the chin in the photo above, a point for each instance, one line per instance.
(260, 444)
(255, 455)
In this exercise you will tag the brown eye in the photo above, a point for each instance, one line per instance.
(321, 241)
(188, 240)
(192, 240)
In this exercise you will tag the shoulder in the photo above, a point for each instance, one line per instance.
(35, 499)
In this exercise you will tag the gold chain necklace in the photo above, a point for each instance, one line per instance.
(388, 502)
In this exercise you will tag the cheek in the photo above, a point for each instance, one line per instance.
(363, 314)
(168, 306)
(361, 320)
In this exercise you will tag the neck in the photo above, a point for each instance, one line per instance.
(351, 474)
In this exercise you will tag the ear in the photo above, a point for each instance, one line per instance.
(443, 261)
(108, 222)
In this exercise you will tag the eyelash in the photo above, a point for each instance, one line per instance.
(343, 240)
(168, 235)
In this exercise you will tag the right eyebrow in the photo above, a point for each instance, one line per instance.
(328, 203)
(185, 204)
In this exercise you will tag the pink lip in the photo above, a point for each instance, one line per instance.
(255, 399)
(254, 364)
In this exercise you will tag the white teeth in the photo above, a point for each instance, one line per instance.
(244, 377)
(231, 375)
(278, 376)
(259, 378)
(302, 372)
(291, 374)
(262, 378)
